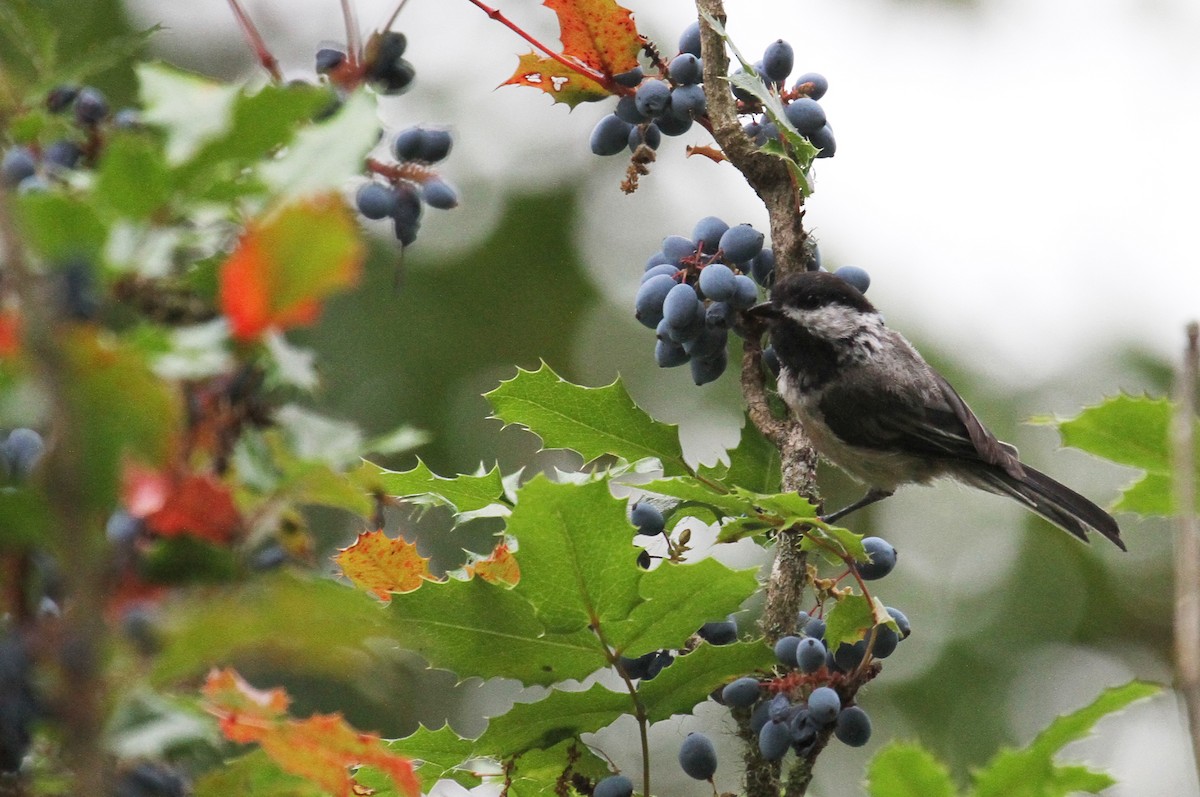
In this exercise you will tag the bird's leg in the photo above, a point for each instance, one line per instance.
(872, 496)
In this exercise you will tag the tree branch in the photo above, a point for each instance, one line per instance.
(1187, 538)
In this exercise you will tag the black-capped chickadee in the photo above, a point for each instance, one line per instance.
(871, 405)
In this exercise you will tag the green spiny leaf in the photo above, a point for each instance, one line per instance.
(1032, 772)
(577, 560)
(591, 420)
(421, 485)
(908, 770)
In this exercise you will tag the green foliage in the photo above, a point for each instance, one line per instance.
(908, 770)
(1132, 431)
(593, 421)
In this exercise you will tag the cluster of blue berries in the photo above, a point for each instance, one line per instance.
(664, 105)
(801, 103)
(31, 167)
(384, 65)
(693, 288)
(399, 190)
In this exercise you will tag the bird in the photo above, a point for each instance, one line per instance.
(870, 404)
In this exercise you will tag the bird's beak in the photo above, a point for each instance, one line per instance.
(764, 310)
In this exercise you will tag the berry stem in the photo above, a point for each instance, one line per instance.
(395, 15)
(639, 710)
(353, 35)
(268, 61)
(574, 66)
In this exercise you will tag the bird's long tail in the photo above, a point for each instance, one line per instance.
(1056, 502)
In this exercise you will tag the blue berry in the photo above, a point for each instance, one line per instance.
(672, 124)
(812, 84)
(708, 232)
(717, 282)
(723, 632)
(669, 354)
(810, 655)
(656, 259)
(437, 193)
(741, 693)
(777, 61)
(762, 268)
(849, 656)
(815, 628)
(650, 297)
(376, 200)
(824, 705)
(435, 145)
(610, 135)
(648, 519)
(686, 69)
(709, 343)
(614, 786)
(17, 165)
(698, 757)
(681, 306)
(855, 276)
(885, 643)
(760, 716)
(853, 727)
(718, 315)
(774, 740)
(407, 144)
(806, 115)
(709, 369)
(629, 79)
(329, 59)
(745, 292)
(22, 451)
(823, 140)
(785, 650)
(689, 41)
(669, 269)
(741, 243)
(780, 708)
(90, 107)
(688, 102)
(627, 110)
(653, 98)
(60, 98)
(882, 559)
(901, 622)
(677, 248)
(122, 528)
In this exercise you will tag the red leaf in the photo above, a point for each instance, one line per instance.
(174, 504)
(319, 749)
(560, 82)
(10, 332)
(384, 566)
(286, 263)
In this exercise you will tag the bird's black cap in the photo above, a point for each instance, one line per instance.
(811, 290)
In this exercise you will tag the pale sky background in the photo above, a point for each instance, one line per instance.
(1018, 176)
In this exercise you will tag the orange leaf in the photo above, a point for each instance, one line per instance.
(286, 263)
(599, 33)
(319, 749)
(382, 565)
(499, 568)
(561, 83)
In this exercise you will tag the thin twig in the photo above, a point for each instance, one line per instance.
(353, 34)
(1187, 538)
(573, 65)
(268, 61)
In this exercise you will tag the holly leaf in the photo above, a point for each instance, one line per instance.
(567, 533)
(593, 421)
(599, 35)
(319, 749)
(1033, 772)
(384, 566)
(421, 485)
(908, 770)
(548, 722)
(847, 620)
(564, 84)
(481, 629)
(1133, 431)
(678, 600)
(754, 464)
(500, 567)
(691, 678)
(436, 754)
(286, 263)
